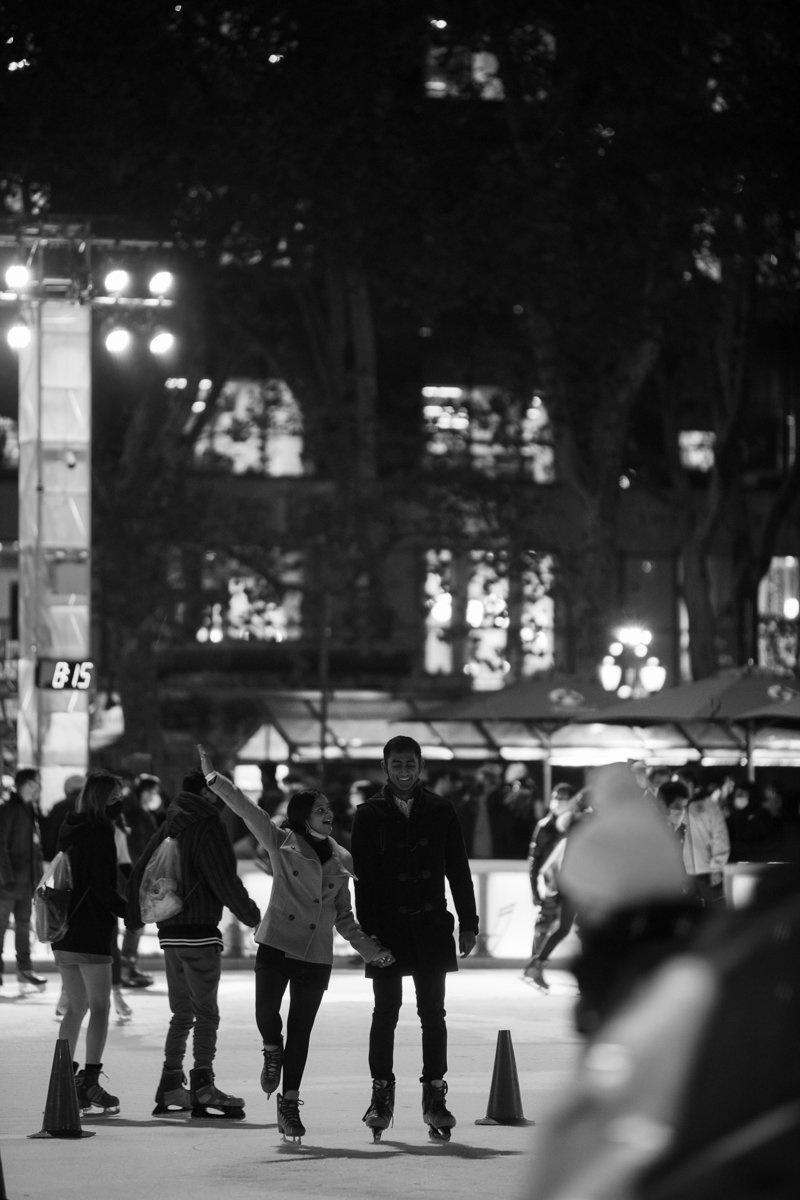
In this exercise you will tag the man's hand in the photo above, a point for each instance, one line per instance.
(466, 941)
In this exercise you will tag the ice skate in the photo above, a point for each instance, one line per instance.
(289, 1124)
(435, 1113)
(92, 1097)
(208, 1101)
(271, 1070)
(121, 1007)
(380, 1114)
(534, 974)
(30, 982)
(172, 1095)
(132, 977)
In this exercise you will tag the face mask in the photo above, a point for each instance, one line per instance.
(114, 810)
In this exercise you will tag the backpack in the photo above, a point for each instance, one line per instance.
(161, 891)
(52, 899)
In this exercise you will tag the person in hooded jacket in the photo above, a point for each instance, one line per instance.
(310, 897)
(192, 944)
(83, 954)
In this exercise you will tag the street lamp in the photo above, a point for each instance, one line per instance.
(628, 668)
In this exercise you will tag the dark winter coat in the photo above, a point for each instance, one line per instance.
(401, 865)
(95, 903)
(545, 837)
(20, 849)
(209, 878)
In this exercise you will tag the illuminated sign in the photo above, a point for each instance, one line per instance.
(65, 674)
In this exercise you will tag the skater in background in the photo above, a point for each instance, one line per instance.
(192, 945)
(83, 954)
(143, 811)
(556, 914)
(20, 871)
(310, 897)
(406, 841)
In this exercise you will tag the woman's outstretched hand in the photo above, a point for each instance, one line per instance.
(206, 766)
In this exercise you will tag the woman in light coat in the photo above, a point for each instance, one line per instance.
(310, 898)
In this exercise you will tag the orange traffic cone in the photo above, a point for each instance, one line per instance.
(505, 1103)
(62, 1118)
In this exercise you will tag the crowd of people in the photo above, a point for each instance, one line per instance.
(398, 840)
(406, 844)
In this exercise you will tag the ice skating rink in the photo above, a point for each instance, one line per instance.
(135, 1156)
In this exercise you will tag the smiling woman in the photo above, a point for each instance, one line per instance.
(310, 897)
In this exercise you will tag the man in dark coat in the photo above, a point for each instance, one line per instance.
(20, 871)
(406, 842)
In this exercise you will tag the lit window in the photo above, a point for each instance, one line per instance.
(483, 600)
(250, 607)
(257, 428)
(9, 442)
(778, 611)
(696, 447)
(456, 72)
(490, 431)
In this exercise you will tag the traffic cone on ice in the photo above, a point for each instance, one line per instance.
(505, 1102)
(62, 1116)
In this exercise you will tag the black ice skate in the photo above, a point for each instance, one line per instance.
(132, 977)
(172, 1096)
(271, 1070)
(29, 982)
(289, 1124)
(208, 1101)
(380, 1114)
(435, 1113)
(92, 1097)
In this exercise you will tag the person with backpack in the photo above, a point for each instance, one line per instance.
(192, 944)
(310, 897)
(83, 954)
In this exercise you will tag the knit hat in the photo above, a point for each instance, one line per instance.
(622, 856)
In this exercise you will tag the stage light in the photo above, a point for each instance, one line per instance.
(161, 283)
(117, 281)
(19, 335)
(162, 342)
(118, 340)
(17, 277)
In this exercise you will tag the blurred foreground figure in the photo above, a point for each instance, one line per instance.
(689, 1087)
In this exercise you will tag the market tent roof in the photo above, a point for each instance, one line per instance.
(541, 698)
(725, 697)
(355, 727)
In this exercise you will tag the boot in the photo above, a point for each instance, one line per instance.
(208, 1101)
(172, 1095)
(380, 1114)
(435, 1113)
(289, 1123)
(91, 1095)
(271, 1070)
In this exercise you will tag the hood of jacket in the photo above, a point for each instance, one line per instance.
(187, 809)
(76, 825)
